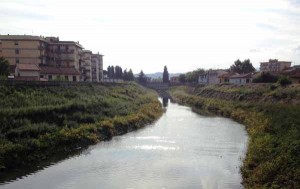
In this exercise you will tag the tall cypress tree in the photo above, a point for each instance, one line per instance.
(166, 75)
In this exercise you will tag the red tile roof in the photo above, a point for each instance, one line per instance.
(59, 70)
(28, 67)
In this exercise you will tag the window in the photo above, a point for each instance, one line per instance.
(17, 61)
(74, 78)
(66, 78)
(50, 77)
(17, 51)
(41, 76)
(16, 43)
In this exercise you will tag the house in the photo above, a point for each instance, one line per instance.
(225, 77)
(31, 71)
(211, 77)
(59, 73)
(203, 78)
(274, 66)
(241, 78)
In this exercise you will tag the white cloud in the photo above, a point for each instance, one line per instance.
(148, 34)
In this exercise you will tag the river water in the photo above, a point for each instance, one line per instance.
(181, 150)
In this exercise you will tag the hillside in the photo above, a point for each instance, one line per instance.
(271, 116)
(37, 122)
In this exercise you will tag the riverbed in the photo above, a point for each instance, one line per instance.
(181, 150)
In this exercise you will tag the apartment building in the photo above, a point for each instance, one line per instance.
(63, 53)
(19, 49)
(50, 53)
(86, 65)
(274, 66)
(97, 67)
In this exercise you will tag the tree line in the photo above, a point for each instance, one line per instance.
(116, 72)
(240, 67)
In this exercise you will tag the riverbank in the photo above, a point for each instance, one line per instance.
(271, 115)
(38, 122)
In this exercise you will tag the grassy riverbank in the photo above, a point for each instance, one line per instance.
(37, 122)
(272, 118)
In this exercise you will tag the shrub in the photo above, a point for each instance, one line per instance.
(265, 78)
(284, 81)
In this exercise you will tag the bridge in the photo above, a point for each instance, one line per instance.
(161, 88)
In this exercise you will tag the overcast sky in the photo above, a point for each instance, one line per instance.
(148, 34)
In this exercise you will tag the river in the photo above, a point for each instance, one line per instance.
(181, 150)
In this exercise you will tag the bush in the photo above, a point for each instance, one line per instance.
(284, 81)
(265, 78)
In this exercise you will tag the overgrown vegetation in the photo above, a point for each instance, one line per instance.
(36, 122)
(272, 159)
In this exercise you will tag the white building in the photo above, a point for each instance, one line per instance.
(241, 79)
(211, 77)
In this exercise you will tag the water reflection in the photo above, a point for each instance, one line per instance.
(165, 102)
(181, 150)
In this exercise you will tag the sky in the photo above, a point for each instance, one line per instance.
(148, 34)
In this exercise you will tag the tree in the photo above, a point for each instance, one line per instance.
(142, 78)
(125, 75)
(112, 72)
(242, 67)
(109, 72)
(4, 67)
(265, 78)
(130, 75)
(182, 78)
(193, 76)
(166, 75)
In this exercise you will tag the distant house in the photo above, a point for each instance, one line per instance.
(274, 65)
(225, 77)
(59, 73)
(241, 78)
(211, 77)
(27, 72)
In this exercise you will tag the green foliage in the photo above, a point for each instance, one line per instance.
(182, 78)
(272, 159)
(43, 120)
(242, 67)
(142, 78)
(192, 77)
(166, 75)
(284, 81)
(4, 67)
(128, 76)
(265, 78)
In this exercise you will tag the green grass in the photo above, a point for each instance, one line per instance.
(272, 159)
(36, 122)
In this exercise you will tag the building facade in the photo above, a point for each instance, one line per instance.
(240, 79)
(274, 66)
(211, 77)
(97, 67)
(86, 66)
(50, 52)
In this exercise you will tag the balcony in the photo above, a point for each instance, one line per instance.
(64, 51)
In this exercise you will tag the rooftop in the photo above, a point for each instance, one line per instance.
(28, 67)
